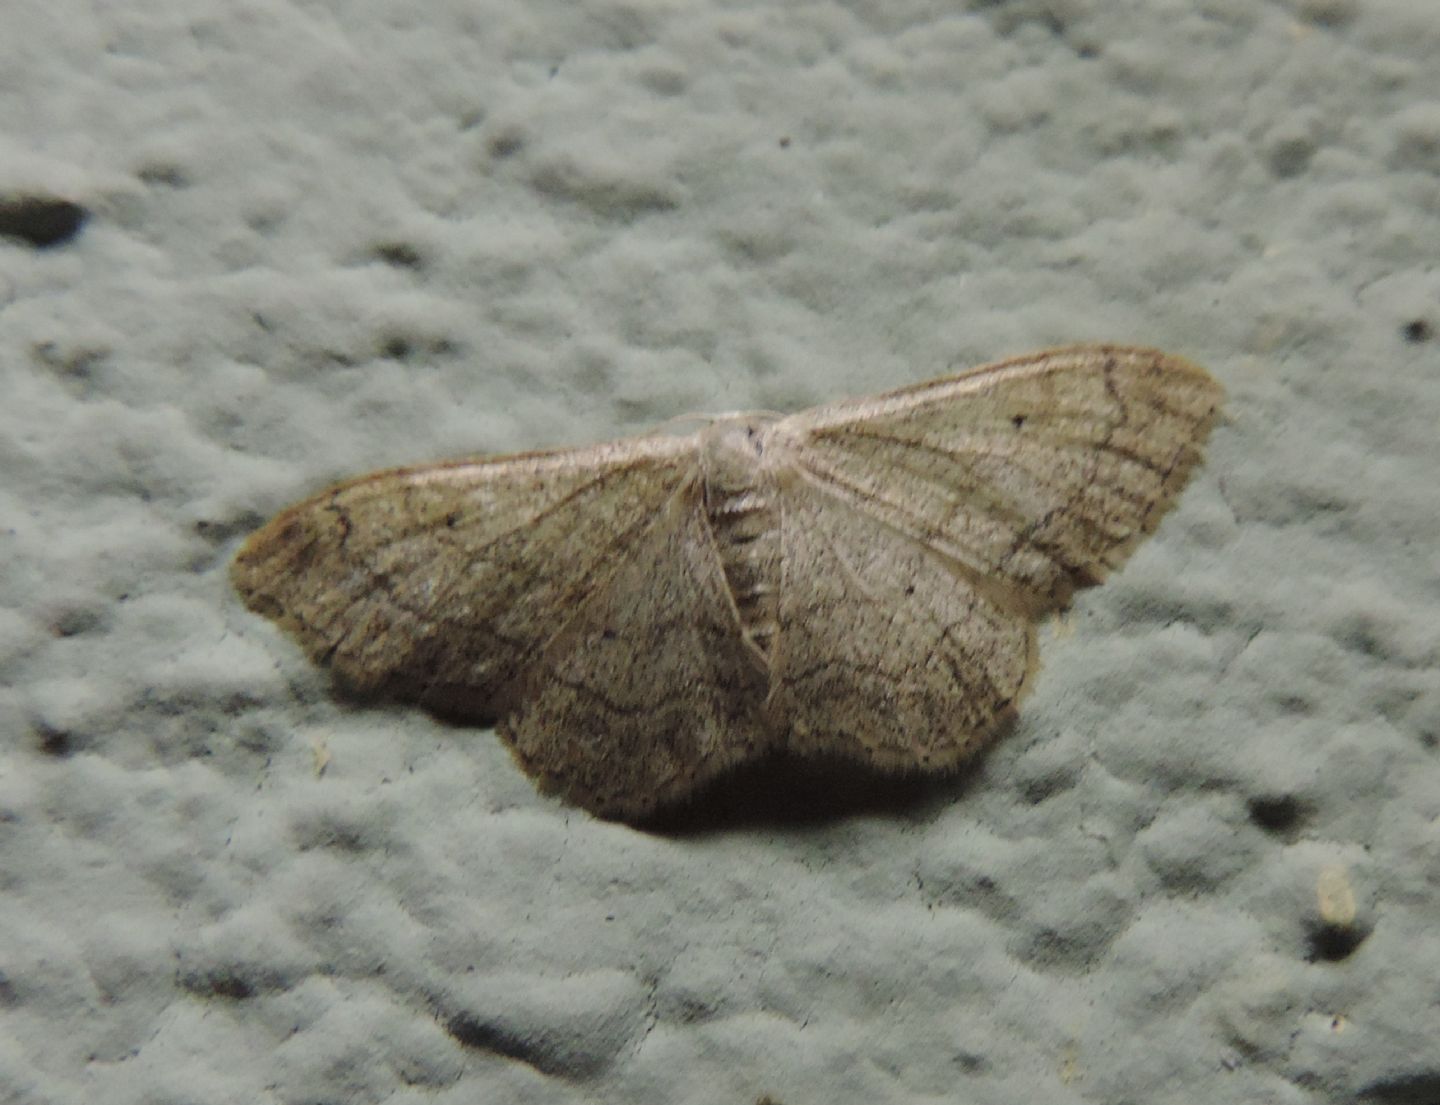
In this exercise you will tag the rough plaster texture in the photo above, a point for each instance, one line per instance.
(323, 237)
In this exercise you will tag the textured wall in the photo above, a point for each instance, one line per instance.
(315, 238)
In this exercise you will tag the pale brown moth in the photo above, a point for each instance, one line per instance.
(859, 579)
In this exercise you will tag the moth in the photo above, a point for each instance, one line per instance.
(861, 579)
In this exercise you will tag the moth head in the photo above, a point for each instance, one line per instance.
(734, 448)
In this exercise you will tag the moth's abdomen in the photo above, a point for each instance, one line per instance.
(741, 507)
(746, 533)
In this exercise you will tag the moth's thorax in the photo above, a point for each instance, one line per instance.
(741, 506)
(734, 448)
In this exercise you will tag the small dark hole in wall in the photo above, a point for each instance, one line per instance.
(1417, 331)
(41, 221)
(54, 742)
(1276, 813)
(1334, 942)
(400, 254)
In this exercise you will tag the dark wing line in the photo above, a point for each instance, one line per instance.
(324, 636)
(453, 471)
(998, 505)
(613, 564)
(605, 567)
(1052, 361)
(1006, 596)
(940, 634)
(383, 578)
(916, 528)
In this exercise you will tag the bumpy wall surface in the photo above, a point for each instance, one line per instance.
(247, 248)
